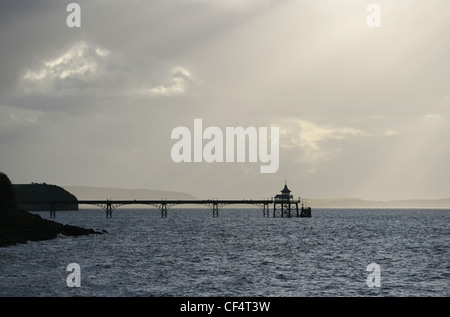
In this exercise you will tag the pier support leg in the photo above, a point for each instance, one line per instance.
(215, 208)
(266, 210)
(285, 209)
(164, 210)
(306, 212)
(52, 211)
(108, 210)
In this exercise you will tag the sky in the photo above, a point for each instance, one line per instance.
(363, 112)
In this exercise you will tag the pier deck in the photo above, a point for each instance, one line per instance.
(163, 205)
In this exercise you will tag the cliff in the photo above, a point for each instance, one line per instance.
(43, 192)
(18, 226)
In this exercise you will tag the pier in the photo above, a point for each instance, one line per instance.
(283, 205)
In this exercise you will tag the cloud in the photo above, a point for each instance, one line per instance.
(178, 84)
(77, 69)
(27, 120)
(89, 70)
(433, 118)
(127, 82)
(305, 136)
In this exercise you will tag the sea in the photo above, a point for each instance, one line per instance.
(335, 253)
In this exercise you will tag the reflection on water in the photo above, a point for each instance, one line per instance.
(241, 253)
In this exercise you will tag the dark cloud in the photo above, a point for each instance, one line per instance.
(104, 98)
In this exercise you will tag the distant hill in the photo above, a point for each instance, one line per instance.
(42, 192)
(103, 193)
(359, 203)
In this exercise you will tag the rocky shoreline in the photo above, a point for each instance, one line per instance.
(21, 226)
(18, 226)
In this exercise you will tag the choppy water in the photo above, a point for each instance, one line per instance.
(241, 253)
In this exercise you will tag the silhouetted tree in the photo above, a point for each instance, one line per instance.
(7, 196)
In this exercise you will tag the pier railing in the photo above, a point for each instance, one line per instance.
(163, 205)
